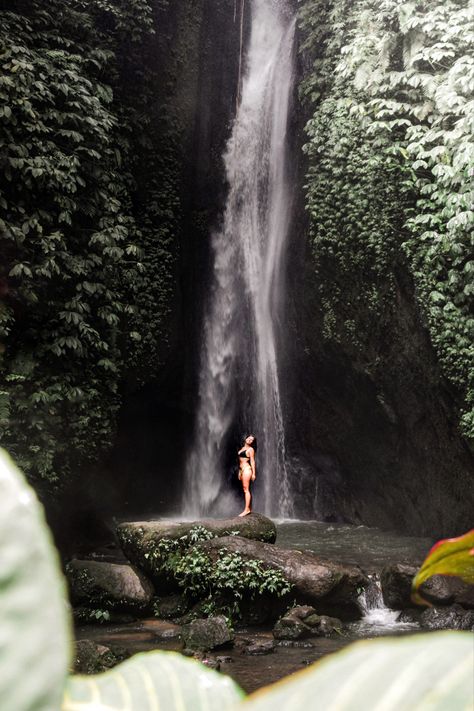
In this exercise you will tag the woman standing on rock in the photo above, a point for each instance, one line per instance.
(247, 472)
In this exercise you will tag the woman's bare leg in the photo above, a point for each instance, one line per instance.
(246, 477)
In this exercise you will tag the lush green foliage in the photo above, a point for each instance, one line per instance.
(220, 585)
(229, 580)
(87, 615)
(168, 551)
(390, 169)
(86, 273)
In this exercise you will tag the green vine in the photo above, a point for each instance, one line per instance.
(86, 278)
(389, 182)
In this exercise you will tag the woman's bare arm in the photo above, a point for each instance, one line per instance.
(252, 463)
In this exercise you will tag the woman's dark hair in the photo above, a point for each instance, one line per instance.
(254, 443)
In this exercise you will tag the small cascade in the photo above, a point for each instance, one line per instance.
(377, 617)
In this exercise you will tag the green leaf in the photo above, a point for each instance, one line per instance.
(426, 672)
(35, 635)
(451, 556)
(153, 680)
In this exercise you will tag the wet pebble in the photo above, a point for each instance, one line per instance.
(295, 643)
(259, 648)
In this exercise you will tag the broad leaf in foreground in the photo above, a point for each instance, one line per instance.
(153, 681)
(34, 624)
(451, 556)
(423, 672)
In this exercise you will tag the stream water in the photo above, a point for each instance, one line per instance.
(370, 548)
(238, 377)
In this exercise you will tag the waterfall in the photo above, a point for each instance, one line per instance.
(377, 618)
(239, 378)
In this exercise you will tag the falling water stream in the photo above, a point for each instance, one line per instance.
(239, 378)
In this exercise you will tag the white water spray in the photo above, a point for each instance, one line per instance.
(239, 360)
(377, 618)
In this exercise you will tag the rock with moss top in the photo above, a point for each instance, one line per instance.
(302, 622)
(150, 545)
(332, 588)
(92, 658)
(211, 633)
(108, 585)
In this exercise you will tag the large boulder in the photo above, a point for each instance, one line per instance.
(447, 618)
(333, 589)
(207, 634)
(98, 584)
(396, 583)
(448, 590)
(140, 540)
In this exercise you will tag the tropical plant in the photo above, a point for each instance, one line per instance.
(453, 557)
(225, 583)
(425, 671)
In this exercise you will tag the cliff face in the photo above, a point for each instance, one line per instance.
(374, 419)
(377, 446)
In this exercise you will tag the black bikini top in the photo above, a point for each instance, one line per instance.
(243, 454)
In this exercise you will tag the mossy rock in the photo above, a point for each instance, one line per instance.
(93, 658)
(140, 541)
(333, 589)
(98, 584)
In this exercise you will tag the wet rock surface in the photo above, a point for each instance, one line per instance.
(302, 622)
(295, 643)
(448, 590)
(396, 583)
(257, 649)
(290, 627)
(102, 584)
(410, 616)
(203, 635)
(447, 618)
(93, 658)
(330, 587)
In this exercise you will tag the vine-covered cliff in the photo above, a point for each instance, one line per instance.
(388, 328)
(106, 120)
